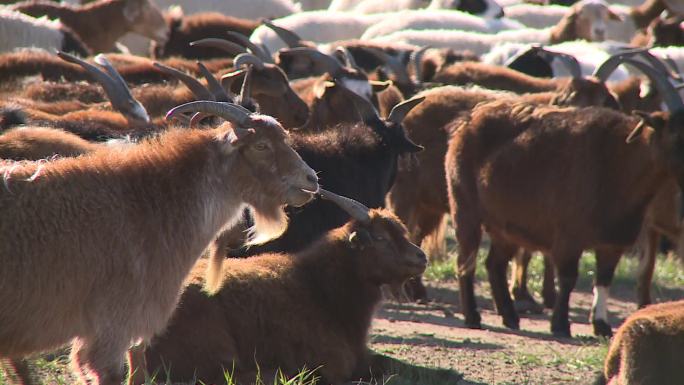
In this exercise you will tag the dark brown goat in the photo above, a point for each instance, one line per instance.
(489, 165)
(101, 23)
(287, 311)
(647, 347)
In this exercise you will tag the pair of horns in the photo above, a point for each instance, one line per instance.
(327, 64)
(369, 114)
(239, 116)
(113, 84)
(213, 91)
(290, 38)
(355, 209)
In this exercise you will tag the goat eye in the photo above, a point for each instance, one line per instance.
(261, 146)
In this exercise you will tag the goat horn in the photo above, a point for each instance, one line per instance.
(608, 67)
(365, 109)
(113, 73)
(220, 94)
(347, 57)
(130, 107)
(222, 44)
(247, 59)
(658, 64)
(416, 59)
(244, 40)
(673, 66)
(246, 88)
(402, 109)
(569, 61)
(393, 64)
(667, 90)
(290, 38)
(233, 113)
(198, 89)
(331, 65)
(355, 209)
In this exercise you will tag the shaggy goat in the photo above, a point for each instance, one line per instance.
(204, 179)
(101, 23)
(504, 143)
(647, 347)
(274, 310)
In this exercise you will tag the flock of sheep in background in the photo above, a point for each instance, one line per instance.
(554, 128)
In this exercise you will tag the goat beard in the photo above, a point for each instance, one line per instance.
(269, 224)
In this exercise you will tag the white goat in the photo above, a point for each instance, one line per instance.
(19, 30)
(437, 19)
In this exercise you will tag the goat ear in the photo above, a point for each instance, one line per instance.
(360, 239)
(132, 10)
(614, 16)
(379, 86)
(321, 87)
(228, 79)
(235, 137)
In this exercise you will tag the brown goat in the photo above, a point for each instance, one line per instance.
(101, 23)
(511, 161)
(34, 143)
(287, 311)
(647, 348)
(107, 292)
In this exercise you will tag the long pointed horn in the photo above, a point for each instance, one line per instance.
(658, 64)
(220, 94)
(354, 208)
(667, 90)
(113, 73)
(569, 62)
(248, 59)
(246, 88)
(233, 113)
(365, 109)
(402, 109)
(244, 41)
(290, 38)
(393, 64)
(330, 65)
(416, 59)
(198, 89)
(222, 44)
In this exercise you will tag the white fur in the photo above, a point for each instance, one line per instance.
(439, 19)
(492, 9)
(317, 26)
(246, 9)
(343, 5)
(21, 31)
(313, 5)
(599, 307)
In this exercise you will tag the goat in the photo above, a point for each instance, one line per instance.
(585, 22)
(440, 19)
(646, 348)
(35, 143)
(244, 9)
(206, 176)
(522, 134)
(326, 292)
(19, 30)
(662, 32)
(102, 23)
(483, 8)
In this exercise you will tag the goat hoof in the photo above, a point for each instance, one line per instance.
(602, 329)
(513, 324)
(549, 303)
(562, 331)
(528, 306)
(473, 322)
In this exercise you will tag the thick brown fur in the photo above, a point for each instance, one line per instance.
(186, 182)
(288, 311)
(510, 160)
(647, 348)
(101, 23)
(34, 143)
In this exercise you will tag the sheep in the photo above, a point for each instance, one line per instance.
(100, 24)
(585, 21)
(630, 156)
(483, 8)
(646, 348)
(109, 192)
(244, 9)
(19, 30)
(326, 292)
(316, 26)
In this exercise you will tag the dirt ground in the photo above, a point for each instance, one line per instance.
(428, 336)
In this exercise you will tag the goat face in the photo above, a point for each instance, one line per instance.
(146, 19)
(385, 254)
(592, 17)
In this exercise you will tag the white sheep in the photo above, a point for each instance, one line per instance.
(484, 8)
(246, 9)
(437, 19)
(19, 30)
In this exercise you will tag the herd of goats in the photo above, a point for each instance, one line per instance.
(238, 183)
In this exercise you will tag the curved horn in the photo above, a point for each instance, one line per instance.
(222, 44)
(290, 38)
(402, 109)
(658, 64)
(608, 67)
(331, 65)
(393, 64)
(569, 61)
(233, 113)
(365, 109)
(220, 94)
(113, 73)
(198, 89)
(355, 209)
(244, 41)
(416, 59)
(246, 88)
(667, 90)
(248, 59)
